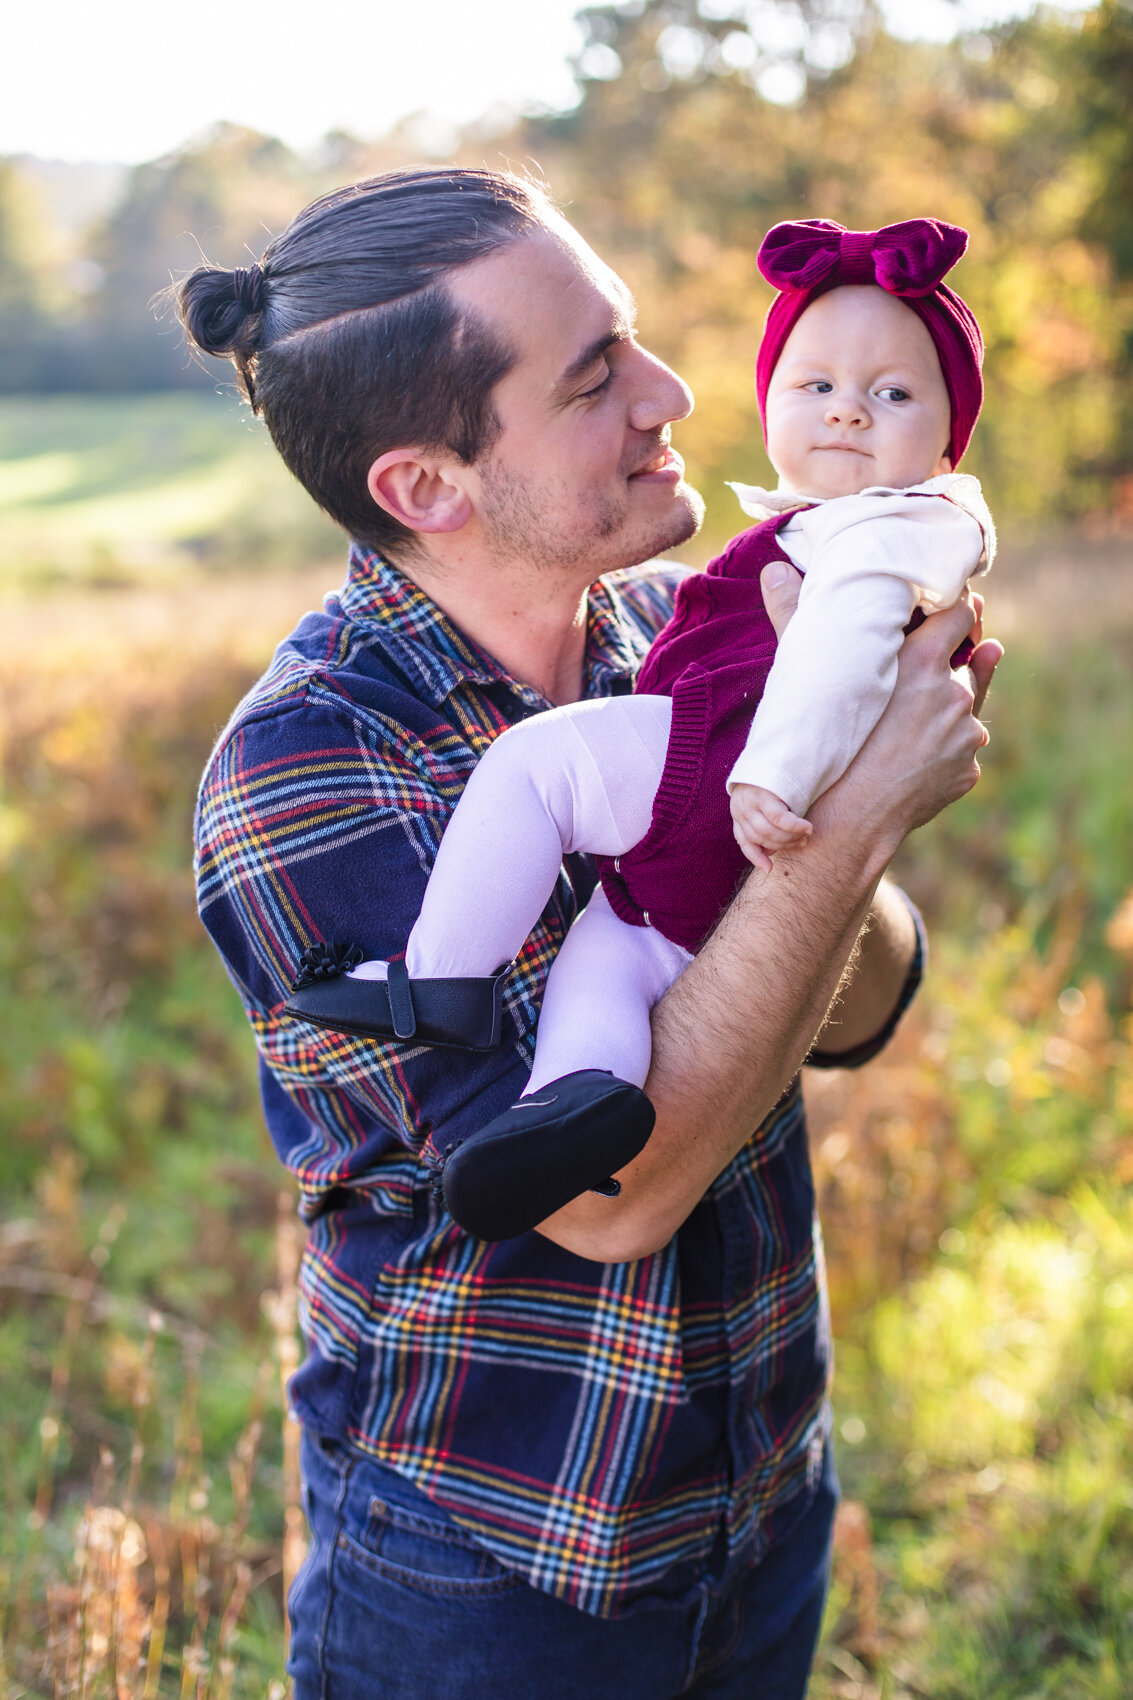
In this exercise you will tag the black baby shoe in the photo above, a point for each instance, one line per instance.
(567, 1139)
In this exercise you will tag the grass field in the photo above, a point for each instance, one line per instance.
(114, 490)
(976, 1183)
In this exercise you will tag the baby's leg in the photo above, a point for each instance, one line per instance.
(602, 987)
(576, 778)
(583, 1115)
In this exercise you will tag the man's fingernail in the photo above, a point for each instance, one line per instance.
(775, 574)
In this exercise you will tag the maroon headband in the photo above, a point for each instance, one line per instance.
(808, 258)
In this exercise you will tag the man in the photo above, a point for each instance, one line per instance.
(592, 1460)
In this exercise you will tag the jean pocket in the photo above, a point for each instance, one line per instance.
(424, 1553)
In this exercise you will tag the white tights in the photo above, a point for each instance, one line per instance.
(577, 778)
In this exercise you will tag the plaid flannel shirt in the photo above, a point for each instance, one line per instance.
(603, 1430)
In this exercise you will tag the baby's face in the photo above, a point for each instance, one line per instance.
(857, 398)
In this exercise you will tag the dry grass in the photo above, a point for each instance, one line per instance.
(154, 1594)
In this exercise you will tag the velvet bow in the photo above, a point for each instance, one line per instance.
(909, 258)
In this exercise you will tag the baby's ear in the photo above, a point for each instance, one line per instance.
(944, 464)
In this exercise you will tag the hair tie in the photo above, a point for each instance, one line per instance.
(248, 286)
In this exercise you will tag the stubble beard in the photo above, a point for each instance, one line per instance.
(518, 527)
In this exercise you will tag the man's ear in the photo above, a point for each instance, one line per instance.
(425, 492)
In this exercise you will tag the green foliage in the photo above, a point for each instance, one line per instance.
(105, 490)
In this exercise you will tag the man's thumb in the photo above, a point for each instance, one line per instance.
(780, 584)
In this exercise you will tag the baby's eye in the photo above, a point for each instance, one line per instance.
(894, 392)
(820, 386)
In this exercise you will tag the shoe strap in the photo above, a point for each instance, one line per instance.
(401, 1001)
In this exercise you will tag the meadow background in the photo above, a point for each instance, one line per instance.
(976, 1183)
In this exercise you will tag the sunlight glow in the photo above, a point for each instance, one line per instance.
(126, 81)
(129, 81)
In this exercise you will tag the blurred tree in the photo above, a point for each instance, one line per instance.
(1101, 74)
(32, 294)
(224, 198)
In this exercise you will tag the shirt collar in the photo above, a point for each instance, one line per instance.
(760, 504)
(385, 603)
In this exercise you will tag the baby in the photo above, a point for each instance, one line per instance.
(869, 386)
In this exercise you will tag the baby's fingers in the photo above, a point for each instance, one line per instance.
(788, 826)
(751, 848)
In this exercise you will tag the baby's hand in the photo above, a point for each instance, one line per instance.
(762, 822)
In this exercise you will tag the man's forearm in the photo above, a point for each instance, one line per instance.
(875, 976)
(733, 1032)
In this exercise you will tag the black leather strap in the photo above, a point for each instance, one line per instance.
(464, 1014)
(401, 1001)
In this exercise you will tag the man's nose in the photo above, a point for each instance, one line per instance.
(660, 396)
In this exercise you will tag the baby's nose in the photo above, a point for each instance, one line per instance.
(846, 410)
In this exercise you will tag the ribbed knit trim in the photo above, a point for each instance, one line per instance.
(684, 760)
(619, 898)
(684, 757)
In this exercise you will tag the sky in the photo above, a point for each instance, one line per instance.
(127, 80)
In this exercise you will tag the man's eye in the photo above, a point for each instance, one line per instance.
(894, 392)
(602, 384)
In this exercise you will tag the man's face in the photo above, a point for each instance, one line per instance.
(581, 475)
(857, 398)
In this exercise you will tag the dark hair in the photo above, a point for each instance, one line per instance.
(347, 341)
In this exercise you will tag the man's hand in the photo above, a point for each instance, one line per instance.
(762, 822)
(985, 658)
(781, 585)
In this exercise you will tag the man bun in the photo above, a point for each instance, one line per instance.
(223, 314)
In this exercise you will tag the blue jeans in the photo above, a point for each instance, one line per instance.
(395, 1602)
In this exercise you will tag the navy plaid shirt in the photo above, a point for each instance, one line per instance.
(601, 1429)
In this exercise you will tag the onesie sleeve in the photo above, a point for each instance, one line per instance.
(867, 561)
